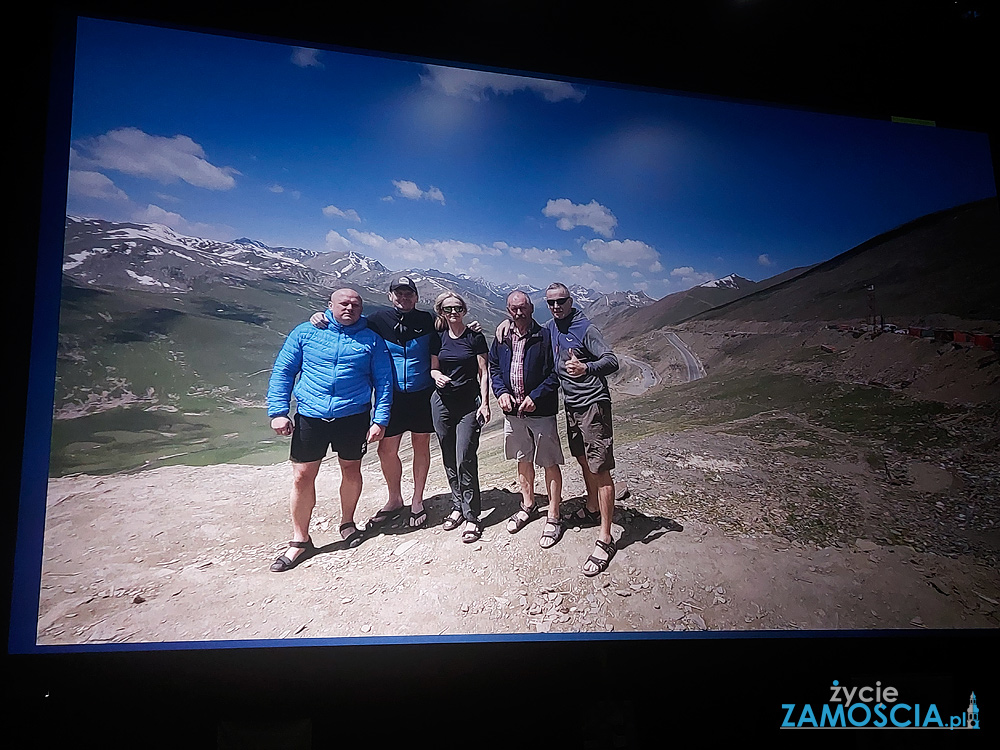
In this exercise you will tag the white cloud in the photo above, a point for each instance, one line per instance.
(628, 253)
(153, 214)
(279, 189)
(547, 257)
(306, 58)
(447, 255)
(587, 274)
(350, 214)
(86, 184)
(689, 277)
(476, 84)
(764, 260)
(409, 189)
(336, 241)
(167, 160)
(570, 215)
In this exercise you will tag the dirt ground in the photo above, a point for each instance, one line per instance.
(182, 554)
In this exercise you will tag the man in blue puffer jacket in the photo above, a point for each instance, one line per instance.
(337, 369)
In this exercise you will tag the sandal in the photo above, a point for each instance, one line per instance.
(584, 517)
(602, 565)
(354, 538)
(384, 517)
(552, 534)
(453, 521)
(520, 523)
(283, 563)
(472, 535)
(417, 519)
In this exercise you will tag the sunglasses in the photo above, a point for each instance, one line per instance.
(453, 309)
(555, 302)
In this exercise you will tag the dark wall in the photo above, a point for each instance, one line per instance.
(925, 60)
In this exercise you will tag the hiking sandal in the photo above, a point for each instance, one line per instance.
(584, 517)
(354, 538)
(520, 523)
(552, 533)
(472, 535)
(283, 563)
(602, 565)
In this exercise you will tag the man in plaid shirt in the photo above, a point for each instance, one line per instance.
(526, 386)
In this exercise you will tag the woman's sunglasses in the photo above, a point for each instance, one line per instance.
(452, 309)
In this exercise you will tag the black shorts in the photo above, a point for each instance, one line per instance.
(347, 436)
(411, 412)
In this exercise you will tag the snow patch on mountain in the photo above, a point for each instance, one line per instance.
(732, 281)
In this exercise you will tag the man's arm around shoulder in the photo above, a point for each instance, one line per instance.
(382, 380)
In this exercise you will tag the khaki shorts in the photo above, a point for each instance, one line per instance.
(589, 434)
(534, 439)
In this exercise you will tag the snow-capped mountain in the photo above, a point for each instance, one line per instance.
(605, 307)
(154, 258)
(732, 281)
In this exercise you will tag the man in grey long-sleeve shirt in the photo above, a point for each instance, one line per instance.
(583, 362)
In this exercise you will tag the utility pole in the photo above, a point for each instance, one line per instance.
(873, 316)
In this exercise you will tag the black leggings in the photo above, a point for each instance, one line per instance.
(458, 434)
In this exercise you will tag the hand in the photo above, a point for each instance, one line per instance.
(574, 367)
(483, 414)
(503, 329)
(440, 379)
(375, 433)
(281, 425)
(319, 320)
(475, 326)
(506, 402)
(527, 406)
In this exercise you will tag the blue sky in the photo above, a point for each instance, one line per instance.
(516, 179)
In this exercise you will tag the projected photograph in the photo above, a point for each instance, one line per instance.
(788, 319)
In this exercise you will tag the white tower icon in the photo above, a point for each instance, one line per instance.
(972, 714)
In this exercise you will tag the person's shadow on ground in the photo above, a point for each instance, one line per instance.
(636, 526)
(498, 505)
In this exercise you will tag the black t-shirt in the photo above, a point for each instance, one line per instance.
(458, 360)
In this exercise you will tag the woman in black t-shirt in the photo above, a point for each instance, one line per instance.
(460, 407)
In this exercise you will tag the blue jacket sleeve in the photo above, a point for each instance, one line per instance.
(382, 381)
(287, 366)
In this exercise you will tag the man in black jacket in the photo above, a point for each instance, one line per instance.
(526, 386)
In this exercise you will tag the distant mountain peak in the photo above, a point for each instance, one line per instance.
(252, 243)
(732, 281)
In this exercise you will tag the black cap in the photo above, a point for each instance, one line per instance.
(402, 282)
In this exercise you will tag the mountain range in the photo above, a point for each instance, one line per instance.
(942, 269)
(153, 258)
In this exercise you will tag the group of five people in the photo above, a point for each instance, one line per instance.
(360, 380)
